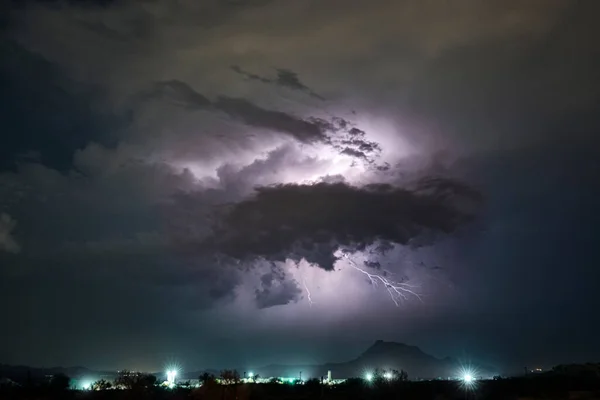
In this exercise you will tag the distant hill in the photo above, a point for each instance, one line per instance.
(20, 373)
(385, 355)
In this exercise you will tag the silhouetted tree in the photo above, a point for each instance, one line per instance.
(124, 380)
(134, 380)
(101, 385)
(312, 383)
(378, 377)
(60, 382)
(206, 377)
(399, 376)
(147, 380)
(385, 378)
(229, 384)
(230, 377)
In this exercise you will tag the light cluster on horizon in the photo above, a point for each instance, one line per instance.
(465, 378)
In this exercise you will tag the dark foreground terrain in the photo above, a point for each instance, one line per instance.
(552, 386)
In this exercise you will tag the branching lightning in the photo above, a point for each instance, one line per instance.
(308, 296)
(397, 290)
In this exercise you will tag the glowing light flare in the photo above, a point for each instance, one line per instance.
(397, 290)
(369, 376)
(467, 378)
(388, 375)
(171, 374)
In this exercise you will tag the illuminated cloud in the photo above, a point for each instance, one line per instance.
(127, 128)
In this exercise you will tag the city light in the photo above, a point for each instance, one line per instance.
(467, 378)
(86, 385)
(171, 374)
(387, 375)
(369, 377)
(250, 375)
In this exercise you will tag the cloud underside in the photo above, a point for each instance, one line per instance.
(276, 289)
(312, 221)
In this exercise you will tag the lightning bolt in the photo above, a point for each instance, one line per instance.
(310, 301)
(397, 290)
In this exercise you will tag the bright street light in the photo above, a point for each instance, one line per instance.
(171, 374)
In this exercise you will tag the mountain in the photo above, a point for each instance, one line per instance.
(20, 373)
(383, 355)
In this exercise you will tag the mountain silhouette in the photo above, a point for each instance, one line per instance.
(400, 356)
(21, 373)
(382, 355)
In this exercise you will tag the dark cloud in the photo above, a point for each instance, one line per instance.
(372, 264)
(181, 94)
(351, 142)
(359, 148)
(306, 131)
(276, 289)
(253, 115)
(248, 75)
(7, 241)
(67, 112)
(356, 132)
(292, 221)
(338, 132)
(354, 153)
(285, 78)
(290, 79)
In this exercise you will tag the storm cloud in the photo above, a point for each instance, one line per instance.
(285, 78)
(304, 130)
(139, 168)
(279, 220)
(276, 289)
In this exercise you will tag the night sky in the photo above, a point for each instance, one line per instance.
(177, 176)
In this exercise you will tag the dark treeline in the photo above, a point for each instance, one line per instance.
(566, 382)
